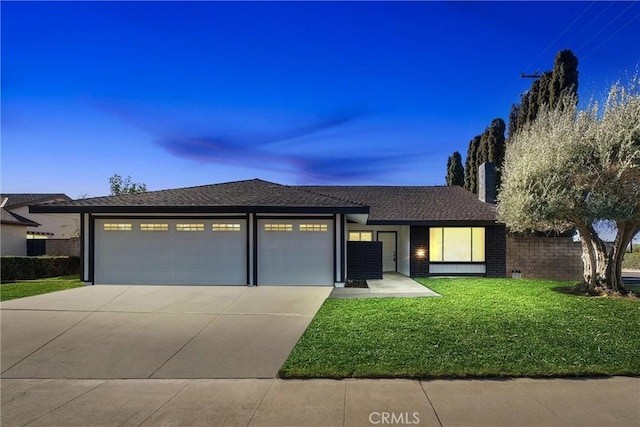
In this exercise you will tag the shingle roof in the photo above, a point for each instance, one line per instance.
(414, 204)
(226, 197)
(16, 200)
(384, 204)
(12, 218)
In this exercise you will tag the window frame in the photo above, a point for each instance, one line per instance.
(471, 247)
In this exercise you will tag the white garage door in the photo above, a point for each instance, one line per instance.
(172, 252)
(295, 252)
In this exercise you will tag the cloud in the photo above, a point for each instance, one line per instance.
(258, 150)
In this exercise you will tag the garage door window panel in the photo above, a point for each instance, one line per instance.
(189, 227)
(154, 227)
(117, 227)
(225, 227)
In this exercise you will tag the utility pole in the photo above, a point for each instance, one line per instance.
(535, 75)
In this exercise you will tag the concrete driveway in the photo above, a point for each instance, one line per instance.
(117, 332)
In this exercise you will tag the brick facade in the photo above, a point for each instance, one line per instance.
(418, 239)
(364, 260)
(496, 251)
(553, 258)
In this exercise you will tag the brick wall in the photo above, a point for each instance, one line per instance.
(63, 247)
(496, 251)
(553, 258)
(364, 260)
(418, 239)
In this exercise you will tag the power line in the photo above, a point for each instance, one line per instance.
(620, 28)
(606, 26)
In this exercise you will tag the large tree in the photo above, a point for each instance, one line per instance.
(455, 170)
(577, 169)
(118, 185)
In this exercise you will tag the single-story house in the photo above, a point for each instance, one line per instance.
(13, 229)
(37, 225)
(256, 232)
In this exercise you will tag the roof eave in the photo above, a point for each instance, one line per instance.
(196, 209)
(437, 223)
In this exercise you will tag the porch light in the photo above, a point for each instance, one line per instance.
(421, 253)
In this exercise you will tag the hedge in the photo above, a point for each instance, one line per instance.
(32, 268)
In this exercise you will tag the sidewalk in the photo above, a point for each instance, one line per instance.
(275, 402)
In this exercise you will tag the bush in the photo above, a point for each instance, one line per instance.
(32, 268)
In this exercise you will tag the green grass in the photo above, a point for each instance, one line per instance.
(10, 291)
(632, 260)
(480, 327)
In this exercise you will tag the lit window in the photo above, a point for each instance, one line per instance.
(456, 244)
(278, 227)
(154, 227)
(190, 227)
(117, 227)
(361, 236)
(313, 227)
(225, 227)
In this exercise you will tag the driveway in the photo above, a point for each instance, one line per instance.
(113, 332)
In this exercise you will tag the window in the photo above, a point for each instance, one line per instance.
(313, 227)
(117, 227)
(190, 227)
(278, 227)
(361, 236)
(154, 227)
(456, 244)
(225, 227)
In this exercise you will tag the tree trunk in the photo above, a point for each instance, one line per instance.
(626, 231)
(588, 260)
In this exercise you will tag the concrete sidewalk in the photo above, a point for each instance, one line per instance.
(274, 402)
(394, 285)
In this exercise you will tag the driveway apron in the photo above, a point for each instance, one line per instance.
(118, 332)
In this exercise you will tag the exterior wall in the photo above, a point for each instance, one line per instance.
(63, 226)
(402, 234)
(364, 260)
(13, 240)
(419, 237)
(496, 251)
(63, 247)
(552, 258)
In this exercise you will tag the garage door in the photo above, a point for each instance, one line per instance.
(173, 252)
(295, 252)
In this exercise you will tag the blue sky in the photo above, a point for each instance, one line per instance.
(192, 93)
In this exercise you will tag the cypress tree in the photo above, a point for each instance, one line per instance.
(564, 79)
(513, 120)
(471, 169)
(455, 170)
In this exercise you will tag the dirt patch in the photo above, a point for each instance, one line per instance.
(356, 284)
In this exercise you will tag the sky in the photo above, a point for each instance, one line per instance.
(179, 94)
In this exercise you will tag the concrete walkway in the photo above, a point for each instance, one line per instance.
(394, 285)
(105, 332)
(274, 402)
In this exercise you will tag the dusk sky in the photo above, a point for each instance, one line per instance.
(193, 93)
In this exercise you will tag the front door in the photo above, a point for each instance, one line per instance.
(389, 248)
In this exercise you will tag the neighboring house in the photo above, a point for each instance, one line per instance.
(13, 230)
(261, 233)
(38, 225)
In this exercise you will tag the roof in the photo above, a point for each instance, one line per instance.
(12, 218)
(233, 197)
(414, 204)
(383, 204)
(16, 200)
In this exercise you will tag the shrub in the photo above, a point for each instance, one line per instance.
(31, 268)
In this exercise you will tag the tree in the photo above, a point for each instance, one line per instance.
(455, 170)
(564, 78)
(470, 167)
(575, 169)
(125, 186)
(513, 120)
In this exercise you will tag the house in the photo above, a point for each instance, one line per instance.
(261, 233)
(38, 225)
(13, 230)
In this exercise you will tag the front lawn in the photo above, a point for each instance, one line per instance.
(26, 289)
(480, 327)
(632, 259)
